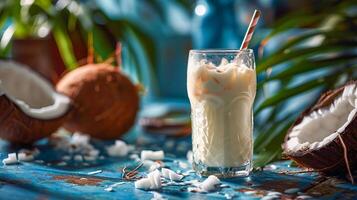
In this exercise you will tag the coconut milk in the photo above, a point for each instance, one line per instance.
(221, 101)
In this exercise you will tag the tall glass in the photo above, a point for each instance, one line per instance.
(221, 86)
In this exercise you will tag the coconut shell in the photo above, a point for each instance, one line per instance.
(105, 101)
(329, 158)
(19, 128)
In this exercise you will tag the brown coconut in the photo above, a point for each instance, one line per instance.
(105, 101)
(331, 151)
(30, 109)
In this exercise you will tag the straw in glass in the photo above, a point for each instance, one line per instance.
(250, 31)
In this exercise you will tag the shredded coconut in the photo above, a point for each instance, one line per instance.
(119, 149)
(25, 157)
(152, 155)
(10, 160)
(169, 174)
(152, 182)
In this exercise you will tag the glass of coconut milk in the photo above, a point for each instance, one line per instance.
(221, 86)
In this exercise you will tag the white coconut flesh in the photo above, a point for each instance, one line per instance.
(322, 126)
(30, 92)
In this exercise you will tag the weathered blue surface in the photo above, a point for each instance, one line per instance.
(49, 181)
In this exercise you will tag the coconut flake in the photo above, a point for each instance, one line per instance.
(10, 160)
(143, 184)
(78, 158)
(78, 144)
(111, 187)
(210, 183)
(304, 197)
(169, 174)
(79, 138)
(152, 165)
(274, 194)
(25, 157)
(250, 192)
(152, 155)
(93, 153)
(33, 152)
(272, 197)
(12, 156)
(89, 158)
(119, 149)
(166, 172)
(155, 179)
(152, 182)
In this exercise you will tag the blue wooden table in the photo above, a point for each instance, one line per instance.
(44, 178)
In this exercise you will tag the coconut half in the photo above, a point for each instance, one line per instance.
(30, 107)
(326, 133)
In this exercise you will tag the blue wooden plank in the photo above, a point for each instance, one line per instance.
(47, 180)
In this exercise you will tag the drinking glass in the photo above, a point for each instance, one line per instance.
(221, 86)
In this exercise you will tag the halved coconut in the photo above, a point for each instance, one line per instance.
(325, 134)
(30, 108)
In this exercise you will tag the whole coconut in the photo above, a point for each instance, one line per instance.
(105, 101)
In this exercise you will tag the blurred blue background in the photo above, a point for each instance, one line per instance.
(201, 24)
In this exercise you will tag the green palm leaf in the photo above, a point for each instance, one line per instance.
(286, 93)
(305, 66)
(65, 47)
(270, 147)
(303, 53)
